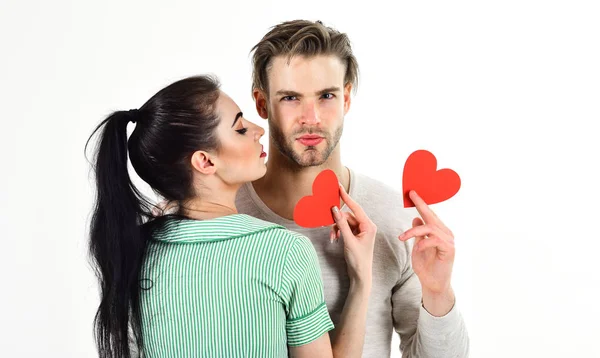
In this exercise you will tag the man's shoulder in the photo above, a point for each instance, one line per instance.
(364, 181)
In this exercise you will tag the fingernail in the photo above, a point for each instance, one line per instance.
(336, 212)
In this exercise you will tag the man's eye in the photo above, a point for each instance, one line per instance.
(288, 98)
(242, 131)
(328, 95)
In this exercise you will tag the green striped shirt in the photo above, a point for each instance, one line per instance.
(234, 286)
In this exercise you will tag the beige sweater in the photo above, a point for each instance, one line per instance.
(395, 302)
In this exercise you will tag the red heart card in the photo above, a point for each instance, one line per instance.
(432, 185)
(315, 210)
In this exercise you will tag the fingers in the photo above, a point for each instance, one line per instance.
(428, 215)
(421, 230)
(418, 222)
(440, 244)
(356, 209)
(334, 233)
(351, 220)
(342, 222)
(428, 236)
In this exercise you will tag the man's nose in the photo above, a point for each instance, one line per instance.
(310, 114)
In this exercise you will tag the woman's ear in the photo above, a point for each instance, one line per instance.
(202, 162)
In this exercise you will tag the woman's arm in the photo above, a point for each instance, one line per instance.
(319, 348)
(359, 240)
(359, 234)
(350, 335)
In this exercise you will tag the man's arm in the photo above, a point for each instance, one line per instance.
(423, 335)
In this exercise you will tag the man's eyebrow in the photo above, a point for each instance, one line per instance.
(328, 90)
(287, 93)
(296, 94)
(237, 116)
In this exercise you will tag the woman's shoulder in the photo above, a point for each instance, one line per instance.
(273, 230)
(277, 240)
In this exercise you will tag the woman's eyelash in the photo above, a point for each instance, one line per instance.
(242, 131)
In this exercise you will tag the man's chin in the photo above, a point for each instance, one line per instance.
(310, 158)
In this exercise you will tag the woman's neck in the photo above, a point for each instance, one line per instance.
(209, 206)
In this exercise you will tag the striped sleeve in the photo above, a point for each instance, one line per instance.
(302, 292)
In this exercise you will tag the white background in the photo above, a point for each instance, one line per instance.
(507, 93)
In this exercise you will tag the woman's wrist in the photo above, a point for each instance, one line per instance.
(361, 284)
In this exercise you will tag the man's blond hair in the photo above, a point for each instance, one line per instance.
(301, 38)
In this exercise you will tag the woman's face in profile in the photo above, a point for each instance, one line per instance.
(241, 157)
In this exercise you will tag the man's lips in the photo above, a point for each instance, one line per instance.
(310, 140)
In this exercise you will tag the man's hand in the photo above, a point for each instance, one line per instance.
(432, 257)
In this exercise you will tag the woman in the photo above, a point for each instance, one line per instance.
(205, 281)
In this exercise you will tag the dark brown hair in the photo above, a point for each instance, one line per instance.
(177, 121)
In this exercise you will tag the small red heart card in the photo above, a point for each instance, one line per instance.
(432, 185)
(315, 210)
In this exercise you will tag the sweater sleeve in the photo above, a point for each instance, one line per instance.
(421, 334)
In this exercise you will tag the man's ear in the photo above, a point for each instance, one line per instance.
(260, 100)
(347, 97)
(202, 162)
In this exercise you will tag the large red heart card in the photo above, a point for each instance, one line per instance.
(432, 185)
(315, 210)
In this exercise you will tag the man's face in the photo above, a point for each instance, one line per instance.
(306, 105)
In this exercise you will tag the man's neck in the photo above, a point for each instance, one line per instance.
(285, 183)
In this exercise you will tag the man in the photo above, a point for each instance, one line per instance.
(303, 77)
